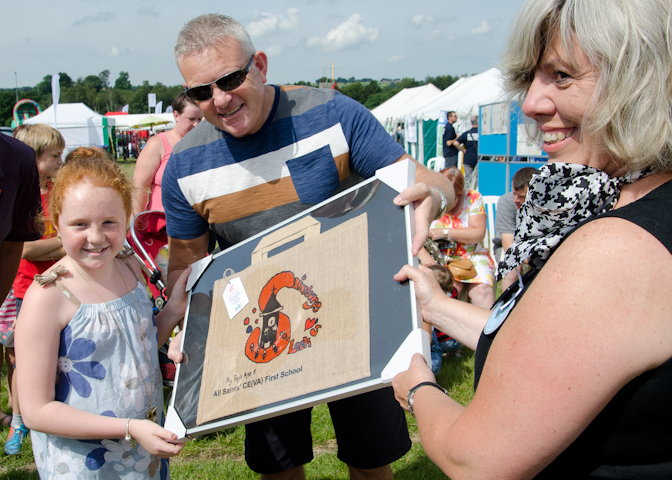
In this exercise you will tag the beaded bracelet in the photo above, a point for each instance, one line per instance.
(128, 437)
(444, 203)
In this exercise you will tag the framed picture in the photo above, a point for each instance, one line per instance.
(303, 313)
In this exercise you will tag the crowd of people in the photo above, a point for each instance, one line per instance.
(573, 361)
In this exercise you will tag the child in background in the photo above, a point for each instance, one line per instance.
(7, 319)
(442, 343)
(89, 319)
(37, 256)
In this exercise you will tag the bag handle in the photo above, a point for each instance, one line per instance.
(307, 227)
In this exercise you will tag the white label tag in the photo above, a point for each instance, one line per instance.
(235, 297)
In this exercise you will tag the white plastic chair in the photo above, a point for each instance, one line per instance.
(490, 203)
(436, 163)
(472, 183)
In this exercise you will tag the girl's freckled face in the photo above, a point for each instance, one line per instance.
(92, 224)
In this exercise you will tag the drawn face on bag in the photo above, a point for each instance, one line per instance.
(268, 341)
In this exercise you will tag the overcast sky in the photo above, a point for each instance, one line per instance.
(302, 38)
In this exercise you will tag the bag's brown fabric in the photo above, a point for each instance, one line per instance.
(305, 328)
(462, 269)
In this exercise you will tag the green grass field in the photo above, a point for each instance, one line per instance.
(221, 454)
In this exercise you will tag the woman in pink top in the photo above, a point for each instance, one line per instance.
(153, 158)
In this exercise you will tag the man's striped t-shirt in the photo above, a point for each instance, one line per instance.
(315, 143)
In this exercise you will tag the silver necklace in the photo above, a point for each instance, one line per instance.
(151, 413)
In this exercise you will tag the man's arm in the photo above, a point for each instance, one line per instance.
(449, 141)
(427, 202)
(512, 276)
(505, 220)
(460, 142)
(505, 225)
(45, 249)
(507, 241)
(10, 256)
(183, 253)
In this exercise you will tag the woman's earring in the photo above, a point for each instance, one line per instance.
(58, 237)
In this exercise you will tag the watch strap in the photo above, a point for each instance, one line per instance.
(411, 393)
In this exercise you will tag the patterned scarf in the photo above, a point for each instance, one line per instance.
(559, 197)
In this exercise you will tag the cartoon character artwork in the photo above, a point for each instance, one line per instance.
(265, 341)
(270, 339)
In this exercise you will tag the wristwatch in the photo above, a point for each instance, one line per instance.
(445, 234)
(411, 393)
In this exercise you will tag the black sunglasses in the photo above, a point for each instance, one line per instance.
(227, 83)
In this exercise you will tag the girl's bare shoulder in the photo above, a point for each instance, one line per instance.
(51, 297)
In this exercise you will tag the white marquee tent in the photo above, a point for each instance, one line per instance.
(79, 125)
(404, 101)
(463, 97)
(125, 122)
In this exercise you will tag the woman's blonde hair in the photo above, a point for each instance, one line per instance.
(93, 165)
(628, 44)
(40, 137)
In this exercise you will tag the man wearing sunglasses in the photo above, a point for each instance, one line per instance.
(265, 154)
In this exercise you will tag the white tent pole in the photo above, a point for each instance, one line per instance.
(421, 141)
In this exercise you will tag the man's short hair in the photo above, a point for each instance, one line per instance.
(474, 120)
(522, 177)
(450, 113)
(204, 31)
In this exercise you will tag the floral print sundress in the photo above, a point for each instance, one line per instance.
(96, 373)
(477, 253)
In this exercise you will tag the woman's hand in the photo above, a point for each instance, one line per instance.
(417, 372)
(154, 438)
(436, 233)
(427, 288)
(426, 258)
(461, 320)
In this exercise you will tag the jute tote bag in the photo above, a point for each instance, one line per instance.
(305, 327)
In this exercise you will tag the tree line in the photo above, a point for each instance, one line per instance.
(102, 96)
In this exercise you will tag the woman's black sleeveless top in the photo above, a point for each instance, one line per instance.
(632, 437)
